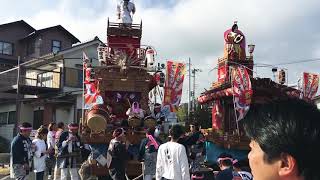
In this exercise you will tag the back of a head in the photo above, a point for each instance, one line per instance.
(51, 126)
(287, 126)
(176, 132)
(60, 125)
(225, 159)
(196, 125)
(42, 130)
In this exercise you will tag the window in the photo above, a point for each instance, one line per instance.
(37, 118)
(6, 48)
(56, 46)
(8, 117)
(31, 47)
(12, 118)
(4, 118)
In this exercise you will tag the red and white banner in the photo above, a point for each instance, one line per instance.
(217, 115)
(222, 73)
(92, 95)
(310, 85)
(173, 84)
(242, 91)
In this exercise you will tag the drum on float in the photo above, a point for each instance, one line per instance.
(134, 122)
(97, 118)
(150, 122)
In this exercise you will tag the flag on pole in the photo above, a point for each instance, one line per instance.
(310, 85)
(91, 90)
(173, 85)
(242, 91)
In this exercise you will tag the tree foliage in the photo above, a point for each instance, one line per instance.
(202, 115)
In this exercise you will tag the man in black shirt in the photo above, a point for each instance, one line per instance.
(117, 155)
(21, 153)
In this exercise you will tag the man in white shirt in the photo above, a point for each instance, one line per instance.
(124, 10)
(172, 160)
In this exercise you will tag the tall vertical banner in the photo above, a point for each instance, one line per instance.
(217, 115)
(310, 85)
(173, 84)
(242, 92)
(92, 95)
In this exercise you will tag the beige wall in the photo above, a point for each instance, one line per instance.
(7, 107)
(65, 114)
(26, 113)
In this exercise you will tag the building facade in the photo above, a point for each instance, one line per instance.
(49, 87)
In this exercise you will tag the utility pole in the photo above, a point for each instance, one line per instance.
(18, 104)
(189, 89)
(194, 71)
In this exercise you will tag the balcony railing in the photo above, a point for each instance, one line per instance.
(44, 80)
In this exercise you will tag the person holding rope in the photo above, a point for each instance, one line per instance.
(41, 153)
(69, 152)
(117, 155)
(148, 152)
(21, 153)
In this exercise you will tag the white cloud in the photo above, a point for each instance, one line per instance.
(283, 31)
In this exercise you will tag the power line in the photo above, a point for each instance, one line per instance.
(294, 62)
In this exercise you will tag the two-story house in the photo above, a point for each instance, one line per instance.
(50, 88)
(20, 39)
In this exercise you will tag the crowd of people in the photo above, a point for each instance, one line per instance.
(285, 145)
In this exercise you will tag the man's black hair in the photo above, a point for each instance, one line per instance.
(74, 124)
(60, 125)
(226, 162)
(196, 125)
(26, 125)
(289, 126)
(176, 132)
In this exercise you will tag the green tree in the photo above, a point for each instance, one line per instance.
(182, 113)
(202, 115)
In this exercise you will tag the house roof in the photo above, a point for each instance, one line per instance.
(58, 27)
(22, 22)
(51, 57)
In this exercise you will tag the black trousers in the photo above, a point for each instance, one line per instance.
(39, 175)
(117, 174)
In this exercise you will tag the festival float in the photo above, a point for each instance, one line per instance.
(236, 89)
(124, 79)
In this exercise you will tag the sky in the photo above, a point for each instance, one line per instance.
(283, 31)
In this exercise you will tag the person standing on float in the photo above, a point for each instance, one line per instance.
(124, 10)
